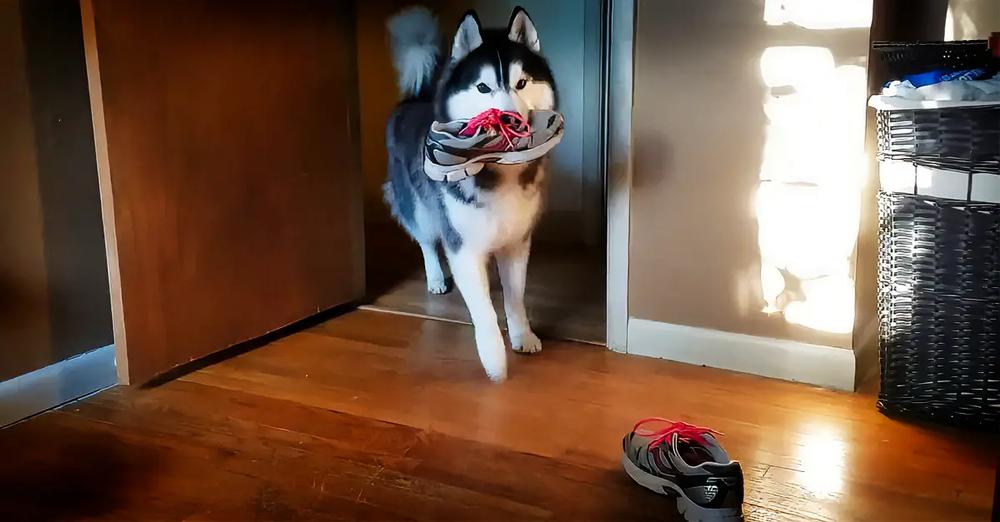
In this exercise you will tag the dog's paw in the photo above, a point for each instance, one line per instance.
(437, 286)
(497, 375)
(496, 369)
(527, 342)
(492, 355)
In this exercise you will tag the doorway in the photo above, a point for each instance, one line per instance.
(56, 341)
(566, 278)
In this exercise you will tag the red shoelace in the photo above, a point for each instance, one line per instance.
(509, 124)
(682, 429)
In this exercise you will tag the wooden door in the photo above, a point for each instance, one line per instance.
(229, 169)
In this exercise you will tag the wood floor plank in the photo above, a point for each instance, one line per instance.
(454, 384)
(381, 417)
(83, 469)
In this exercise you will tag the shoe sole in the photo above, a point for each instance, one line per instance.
(691, 511)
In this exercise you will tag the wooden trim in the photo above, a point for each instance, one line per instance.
(104, 181)
(893, 20)
(996, 496)
(824, 366)
(618, 92)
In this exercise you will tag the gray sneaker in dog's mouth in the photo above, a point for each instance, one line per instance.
(451, 155)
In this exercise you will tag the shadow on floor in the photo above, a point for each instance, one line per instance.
(68, 474)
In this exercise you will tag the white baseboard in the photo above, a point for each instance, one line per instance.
(824, 366)
(59, 383)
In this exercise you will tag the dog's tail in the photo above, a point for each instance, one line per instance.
(416, 46)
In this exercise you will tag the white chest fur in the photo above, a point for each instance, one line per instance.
(501, 216)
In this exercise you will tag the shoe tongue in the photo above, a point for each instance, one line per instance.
(692, 452)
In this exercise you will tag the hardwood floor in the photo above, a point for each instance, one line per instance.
(380, 416)
(557, 275)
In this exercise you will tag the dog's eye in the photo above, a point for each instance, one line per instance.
(522, 83)
(483, 88)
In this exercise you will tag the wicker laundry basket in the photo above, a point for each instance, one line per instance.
(939, 257)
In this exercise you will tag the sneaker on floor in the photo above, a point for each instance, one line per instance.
(686, 462)
(452, 154)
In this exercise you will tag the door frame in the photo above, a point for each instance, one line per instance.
(618, 63)
(617, 86)
(104, 182)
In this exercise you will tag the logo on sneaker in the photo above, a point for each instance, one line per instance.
(711, 492)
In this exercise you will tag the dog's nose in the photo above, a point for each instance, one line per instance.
(520, 108)
(506, 103)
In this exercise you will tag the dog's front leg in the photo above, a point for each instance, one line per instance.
(513, 264)
(469, 271)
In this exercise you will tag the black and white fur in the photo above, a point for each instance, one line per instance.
(493, 213)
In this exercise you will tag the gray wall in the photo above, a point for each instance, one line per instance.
(54, 300)
(972, 19)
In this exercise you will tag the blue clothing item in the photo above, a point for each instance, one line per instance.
(944, 75)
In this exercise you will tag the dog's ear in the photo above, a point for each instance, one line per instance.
(522, 30)
(467, 37)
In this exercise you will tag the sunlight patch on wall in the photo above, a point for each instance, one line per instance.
(819, 14)
(812, 170)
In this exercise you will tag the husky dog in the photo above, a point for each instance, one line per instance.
(490, 214)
